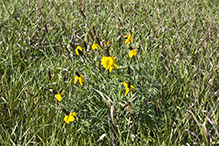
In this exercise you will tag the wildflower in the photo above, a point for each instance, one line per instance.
(106, 43)
(79, 77)
(132, 53)
(70, 118)
(127, 87)
(95, 45)
(129, 39)
(58, 96)
(109, 63)
(78, 50)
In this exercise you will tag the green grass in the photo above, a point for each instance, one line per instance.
(175, 73)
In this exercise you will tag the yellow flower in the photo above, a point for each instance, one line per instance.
(129, 39)
(132, 52)
(106, 43)
(95, 45)
(109, 63)
(127, 87)
(79, 77)
(58, 96)
(70, 118)
(78, 49)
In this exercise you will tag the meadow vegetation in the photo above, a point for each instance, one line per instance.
(164, 92)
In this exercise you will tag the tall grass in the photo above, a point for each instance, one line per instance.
(175, 72)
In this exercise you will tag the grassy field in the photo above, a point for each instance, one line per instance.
(175, 72)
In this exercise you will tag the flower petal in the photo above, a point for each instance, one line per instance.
(132, 87)
(125, 84)
(127, 41)
(66, 119)
(127, 91)
(94, 46)
(110, 69)
(131, 54)
(58, 97)
(81, 79)
(76, 79)
(79, 47)
(98, 46)
(116, 66)
(73, 114)
(135, 52)
(71, 118)
(76, 51)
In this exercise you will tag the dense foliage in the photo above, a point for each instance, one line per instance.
(146, 72)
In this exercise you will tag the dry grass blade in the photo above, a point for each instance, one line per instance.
(129, 120)
(122, 104)
(133, 98)
(192, 134)
(204, 133)
(130, 109)
(111, 114)
(101, 137)
(213, 126)
(102, 95)
(10, 138)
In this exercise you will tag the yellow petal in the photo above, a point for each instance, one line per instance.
(104, 59)
(81, 79)
(73, 114)
(116, 66)
(76, 51)
(79, 47)
(127, 91)
(109, 61)
(135, 52)
(76, 79)
(98, 46)
(66, 119)
(94, 46)
(104, 62)
(58, 97)
(114, 59)
(130, 54)
(71, 118)
(127, 41)
(132, 87)
(110, 69)
(107, 43)
(125, 84)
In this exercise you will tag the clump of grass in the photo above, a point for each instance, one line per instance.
(174, 73)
